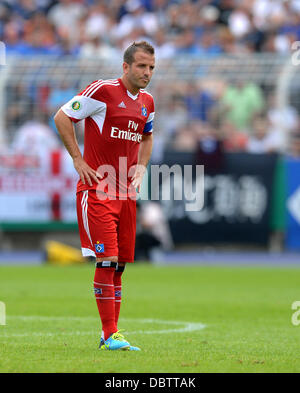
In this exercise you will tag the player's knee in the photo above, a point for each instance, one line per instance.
(111, 259)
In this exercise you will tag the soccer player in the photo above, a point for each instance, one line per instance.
(118, 117)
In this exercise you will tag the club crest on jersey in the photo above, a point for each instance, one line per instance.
(99, 247)
(75, 105)
(144, 111)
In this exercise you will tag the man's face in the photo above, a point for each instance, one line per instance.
(139, 73)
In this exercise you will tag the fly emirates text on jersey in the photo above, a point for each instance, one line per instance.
(130, 135)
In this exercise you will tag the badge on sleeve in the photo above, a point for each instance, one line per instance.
(75, 105)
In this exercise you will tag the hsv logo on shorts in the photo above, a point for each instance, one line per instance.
(99, 247)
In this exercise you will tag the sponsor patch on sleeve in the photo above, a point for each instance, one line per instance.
(75, 105)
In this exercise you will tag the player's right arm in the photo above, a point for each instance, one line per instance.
(80, 107)
(66, 131)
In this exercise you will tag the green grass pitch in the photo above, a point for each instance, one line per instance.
(52, 322)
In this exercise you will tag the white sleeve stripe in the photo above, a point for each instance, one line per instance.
(94, 88)
(100, 85)
(91, 86)
(96, 83)
(151, 117)
(91, 90)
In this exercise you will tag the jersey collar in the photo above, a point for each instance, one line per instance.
(128, 92)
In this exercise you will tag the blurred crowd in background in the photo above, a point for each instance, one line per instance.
(206, 117)
(217, 116)
(104, 28)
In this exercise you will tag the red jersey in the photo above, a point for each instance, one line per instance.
(115, 122)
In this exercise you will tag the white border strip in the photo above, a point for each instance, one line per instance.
(84, 205)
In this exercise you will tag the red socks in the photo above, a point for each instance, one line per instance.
(108, 293)
(118, 291)
(105, 296)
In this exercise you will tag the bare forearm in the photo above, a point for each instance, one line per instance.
(145, 150)
(66, 131)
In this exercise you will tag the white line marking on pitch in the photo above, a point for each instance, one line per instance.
(188, 326)
(178, 326)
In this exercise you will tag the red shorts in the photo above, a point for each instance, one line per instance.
(107, 228)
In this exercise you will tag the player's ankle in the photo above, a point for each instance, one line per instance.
(106, 336)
